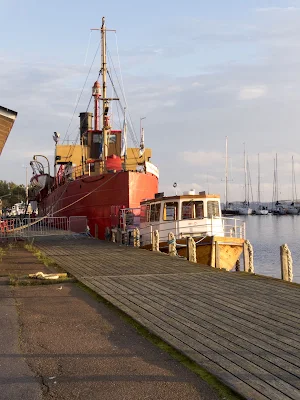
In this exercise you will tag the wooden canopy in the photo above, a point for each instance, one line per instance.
(7, 119)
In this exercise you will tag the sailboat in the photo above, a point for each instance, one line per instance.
(245, 208)
(260, 210)
(278, 208)
(229, 208)
(292, 209)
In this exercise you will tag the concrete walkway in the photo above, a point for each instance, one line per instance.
(58, 342)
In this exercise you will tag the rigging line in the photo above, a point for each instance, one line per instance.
(127, 108)
(81, 92)
(132, 133)
(84, 119)
(87, 50)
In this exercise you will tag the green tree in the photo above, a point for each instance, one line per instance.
(11, 193)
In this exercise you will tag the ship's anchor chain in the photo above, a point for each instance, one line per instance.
(250, 252)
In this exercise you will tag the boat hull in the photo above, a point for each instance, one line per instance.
(230, 250)
(99, 198)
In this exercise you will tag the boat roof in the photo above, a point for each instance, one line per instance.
(182, 197)
(7, 119)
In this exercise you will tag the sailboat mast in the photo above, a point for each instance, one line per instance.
(245, 172)
(226, 172)
(258, 179)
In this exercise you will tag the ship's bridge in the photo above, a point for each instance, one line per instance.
(7, 119)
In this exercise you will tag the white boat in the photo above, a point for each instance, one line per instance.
(261, 210)
(197, 216)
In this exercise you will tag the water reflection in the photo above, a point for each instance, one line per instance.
(266, 234)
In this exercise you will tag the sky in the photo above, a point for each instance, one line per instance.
(197, 70)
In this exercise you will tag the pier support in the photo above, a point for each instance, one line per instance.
(286, 263)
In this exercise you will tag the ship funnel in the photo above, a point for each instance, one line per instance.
(85, 122)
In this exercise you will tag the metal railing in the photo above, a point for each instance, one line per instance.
(43, 226)
(227, 227)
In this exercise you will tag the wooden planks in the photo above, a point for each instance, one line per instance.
(242, 328)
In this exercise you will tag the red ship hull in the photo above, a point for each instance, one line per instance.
(96, 196)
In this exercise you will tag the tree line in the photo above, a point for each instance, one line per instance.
(11, 193)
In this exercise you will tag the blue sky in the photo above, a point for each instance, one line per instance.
(198, 70)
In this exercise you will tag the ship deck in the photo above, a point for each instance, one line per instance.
(242, 328)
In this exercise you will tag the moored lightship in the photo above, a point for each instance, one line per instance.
(100, 175)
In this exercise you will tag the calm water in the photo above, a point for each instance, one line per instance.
(266, 233)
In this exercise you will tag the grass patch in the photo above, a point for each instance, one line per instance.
(48, 262)
(223, 391)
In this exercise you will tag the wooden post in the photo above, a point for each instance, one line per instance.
(96, 231)
(246, 257)
(172, 244)
(286, 263)
(213, 253)
(155, 241)
(217, 255)
(191, 249)
(136, 237)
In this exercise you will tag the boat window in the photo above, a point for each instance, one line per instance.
(97, 138)
(187, 211)
(145, 213)
(192, 209)
(199, 209)
(213, 209)
(155, 212)
(170, 211)
(112, 138)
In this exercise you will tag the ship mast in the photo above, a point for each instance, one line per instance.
(105, 118)
(105, 105)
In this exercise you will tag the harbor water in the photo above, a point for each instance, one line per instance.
(266, 234)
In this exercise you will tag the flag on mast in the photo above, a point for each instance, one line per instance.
(142, 144)
(124, 139)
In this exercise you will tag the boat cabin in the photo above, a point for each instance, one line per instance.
(189, 214)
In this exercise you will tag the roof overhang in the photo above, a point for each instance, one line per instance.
(7, 119)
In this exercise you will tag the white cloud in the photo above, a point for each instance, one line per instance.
(252, 92)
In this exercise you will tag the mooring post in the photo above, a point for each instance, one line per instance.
(286, 263)
(136, 237)
(248, 257)
(217, 255)
(172, 244)
(191, 249)
(155, 241)
(213, 253)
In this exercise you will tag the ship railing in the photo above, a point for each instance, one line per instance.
(213, 226)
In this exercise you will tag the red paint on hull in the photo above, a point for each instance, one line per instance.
(94, 197)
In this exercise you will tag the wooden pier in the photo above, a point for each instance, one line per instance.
(242, 328)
